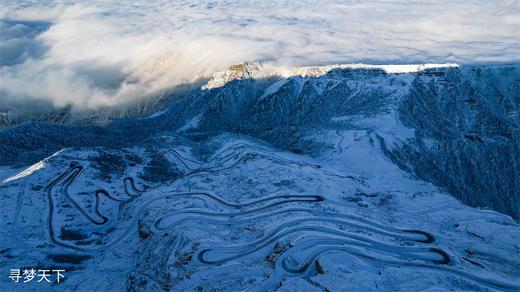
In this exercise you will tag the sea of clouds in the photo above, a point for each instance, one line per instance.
(104, 54)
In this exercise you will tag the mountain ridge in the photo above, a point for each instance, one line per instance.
(435, 110)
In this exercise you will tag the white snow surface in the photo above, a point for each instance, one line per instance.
(256, 70)
(249, 216)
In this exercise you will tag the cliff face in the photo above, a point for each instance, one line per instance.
(467, 135)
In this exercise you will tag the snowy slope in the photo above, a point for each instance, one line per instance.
(337, 177)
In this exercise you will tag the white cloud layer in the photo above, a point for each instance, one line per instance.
(93, 54)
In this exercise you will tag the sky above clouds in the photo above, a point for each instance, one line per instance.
(91, 54)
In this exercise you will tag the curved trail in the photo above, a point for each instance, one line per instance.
(403, 234)
(236, 155)
(208, 217)
(70, 175)
(321, 246)
(293, 227)
(129, 181)
(239, 157)
(338, 145)
(428, 238)
(174, 195)
(314, 233)
(75, 171)
(285, 198)
(50, 215)
(214, 156)
(235, 252)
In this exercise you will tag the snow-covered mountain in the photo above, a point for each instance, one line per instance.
(334, 177)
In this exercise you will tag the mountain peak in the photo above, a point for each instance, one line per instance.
(234, 72)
